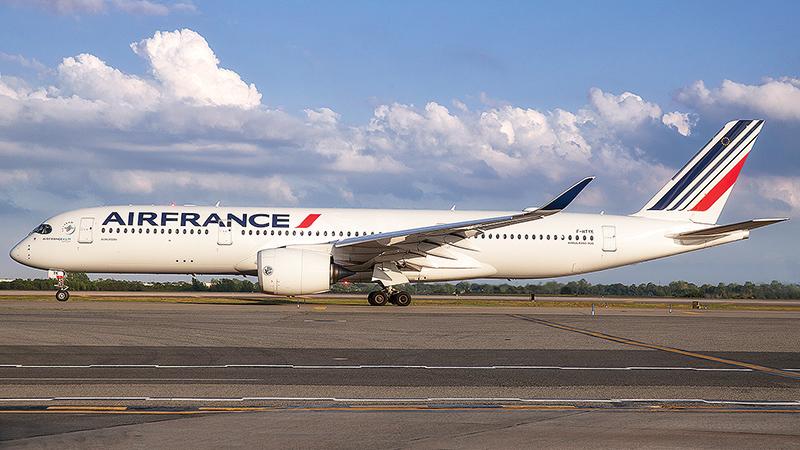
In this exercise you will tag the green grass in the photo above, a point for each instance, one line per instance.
(418, 301)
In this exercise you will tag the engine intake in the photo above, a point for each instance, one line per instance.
(291, 271)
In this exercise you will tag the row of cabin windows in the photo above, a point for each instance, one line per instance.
(147, 231)
(533, 236)
(333, 233)
(302, 233)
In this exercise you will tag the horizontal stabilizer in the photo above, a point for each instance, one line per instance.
(727, 229)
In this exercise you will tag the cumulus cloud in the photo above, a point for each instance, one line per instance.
(89, 77)
(681, 122)
(625, 109)
(773, 98)
(193, 129)
(189, 70)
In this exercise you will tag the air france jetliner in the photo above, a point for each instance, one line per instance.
(301, 251)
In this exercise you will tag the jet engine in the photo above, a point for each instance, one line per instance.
(291, 271)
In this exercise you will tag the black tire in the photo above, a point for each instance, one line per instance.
(62, 295)
(371, 298)
(402, 298)
(380, 298)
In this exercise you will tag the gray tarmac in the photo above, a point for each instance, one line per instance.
(119, 374)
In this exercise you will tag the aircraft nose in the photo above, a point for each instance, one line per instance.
(16, 253)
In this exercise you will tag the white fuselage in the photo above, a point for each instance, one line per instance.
(218, 240)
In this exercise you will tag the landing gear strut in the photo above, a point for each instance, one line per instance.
(389, 295)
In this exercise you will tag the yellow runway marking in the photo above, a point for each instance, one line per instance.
(622, 340)
(90, 408)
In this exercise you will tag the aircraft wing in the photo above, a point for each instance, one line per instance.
(722, 230)
(445, 243)
(467, 228)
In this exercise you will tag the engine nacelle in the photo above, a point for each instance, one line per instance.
(291, 271)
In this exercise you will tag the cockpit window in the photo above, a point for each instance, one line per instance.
(43, 229)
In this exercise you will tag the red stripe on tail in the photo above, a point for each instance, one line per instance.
(310, 219)
(722, 187)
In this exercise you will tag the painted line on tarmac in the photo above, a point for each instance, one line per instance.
(373, 366)
(396, 400)
(622, 340)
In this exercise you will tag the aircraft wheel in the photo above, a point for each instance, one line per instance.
(62, 295)
(378, 298)
(402, 298)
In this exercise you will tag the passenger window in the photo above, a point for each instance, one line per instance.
(250, 232)
(570, 237)
(512, 236)
(341, 233)
(184, 231)
(548, 237)
(490, 236)
(348, 234)
(584, 237)
(325, 233)
(519, 236)
(541, 237)
(591, 238)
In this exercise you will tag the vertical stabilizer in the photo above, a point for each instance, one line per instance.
(699, 190)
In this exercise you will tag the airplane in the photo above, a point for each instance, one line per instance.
(300, 251)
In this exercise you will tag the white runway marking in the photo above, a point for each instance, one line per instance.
(411, 400)
(367, 366)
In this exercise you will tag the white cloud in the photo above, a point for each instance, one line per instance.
(143, 7)
(29, 63)
(193, 129)
(626, 109)
(783, 189)
(773, 98)
(681, 122)
(88, 77)
(77, 7)
(148, 182)
(189, 70)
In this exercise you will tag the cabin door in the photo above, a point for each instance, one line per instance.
(85, 230)
(224, 235)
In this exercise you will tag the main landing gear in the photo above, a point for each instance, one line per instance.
(388, 295)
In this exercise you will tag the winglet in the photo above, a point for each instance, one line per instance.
(566, 197)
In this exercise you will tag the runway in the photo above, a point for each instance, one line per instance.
(133, 373)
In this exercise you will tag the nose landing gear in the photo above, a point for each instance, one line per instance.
(62, 294)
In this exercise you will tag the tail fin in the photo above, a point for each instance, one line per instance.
(699, 190)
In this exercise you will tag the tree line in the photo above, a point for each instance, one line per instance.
(775, 290)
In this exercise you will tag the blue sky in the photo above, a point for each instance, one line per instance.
(487, 105)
